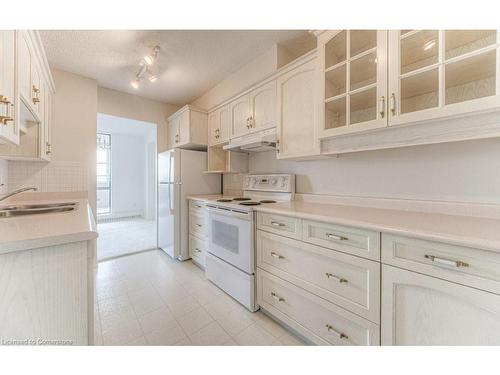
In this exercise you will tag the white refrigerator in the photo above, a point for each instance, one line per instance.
(180, 174)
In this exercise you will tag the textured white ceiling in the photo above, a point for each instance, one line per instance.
(190, 61)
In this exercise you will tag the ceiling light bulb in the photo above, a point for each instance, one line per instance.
(135, 83)
(152, 78)
(429, 45)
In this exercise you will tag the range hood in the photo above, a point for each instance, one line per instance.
(264, 140)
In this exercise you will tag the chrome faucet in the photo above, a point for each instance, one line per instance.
(22, 190)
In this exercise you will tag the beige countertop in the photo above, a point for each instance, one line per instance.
(458, 230)
(42, 230)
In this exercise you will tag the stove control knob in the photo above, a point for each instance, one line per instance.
(273, 181)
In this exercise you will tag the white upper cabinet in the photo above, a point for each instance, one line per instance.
(298, 112)
(187, 128)
(219, 124)
(27, 77)
(353, 89)
(24, 68)
(9, 122)
(263, 107)
(442, 73)
(240, 116)
(254, 111)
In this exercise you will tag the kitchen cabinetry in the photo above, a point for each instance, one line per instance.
(263, 107)
(422, 310)
(298, 112)
(33, 100)
(47, 294)
(224, 161)
(9, 122)
(187, 128)
(240, 116)
(315, 282)
(441, 73)
(198, 220)
(439, 294)
(353, 89)
(254, 111)
(441, 82)
(219, 125)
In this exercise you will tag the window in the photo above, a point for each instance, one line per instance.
(103, 173)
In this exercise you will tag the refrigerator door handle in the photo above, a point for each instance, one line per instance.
(169, 185)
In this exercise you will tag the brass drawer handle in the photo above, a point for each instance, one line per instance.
(35, 98)
(336, 237)
(277, 256)
(336, 278)
(10, 108)
(276, 224)
(446, 262)
(333, 330)
(199, 225)
(277, 298)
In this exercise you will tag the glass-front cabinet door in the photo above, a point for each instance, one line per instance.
(440, 73)
(354, 90)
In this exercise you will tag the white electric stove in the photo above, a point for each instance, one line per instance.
(230, 261)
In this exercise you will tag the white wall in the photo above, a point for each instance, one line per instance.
(463, 171)
(133, 165)
(253, 72)
(120, 104)
(128, 175)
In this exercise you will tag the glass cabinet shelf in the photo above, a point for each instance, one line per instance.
(352, 76)
(439, 68)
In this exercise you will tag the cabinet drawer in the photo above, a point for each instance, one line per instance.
(284, 225)
(197, 225)
(322, 322)
(197, 207)
(464, 265)
(363, 243)
(346, 280)
(197, 250)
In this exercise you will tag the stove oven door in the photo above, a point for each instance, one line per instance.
(231, 237)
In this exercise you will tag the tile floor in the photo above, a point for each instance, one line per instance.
(150, 299)
(125, 236)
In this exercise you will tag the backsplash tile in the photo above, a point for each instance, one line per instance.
(48, 177)
(233, 184)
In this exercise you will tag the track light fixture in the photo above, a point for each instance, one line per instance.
(145, 67)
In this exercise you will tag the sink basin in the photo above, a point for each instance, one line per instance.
(36, 209)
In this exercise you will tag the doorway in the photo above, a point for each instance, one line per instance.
(126, 186)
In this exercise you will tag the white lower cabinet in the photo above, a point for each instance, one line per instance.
(198, 219)
(326, 295)
(423, 310)
(348, 281)
(46, 295)
(316, 319)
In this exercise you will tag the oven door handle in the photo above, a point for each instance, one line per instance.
(230, 213)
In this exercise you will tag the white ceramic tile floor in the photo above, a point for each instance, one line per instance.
(125, 236)
(150, 299)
